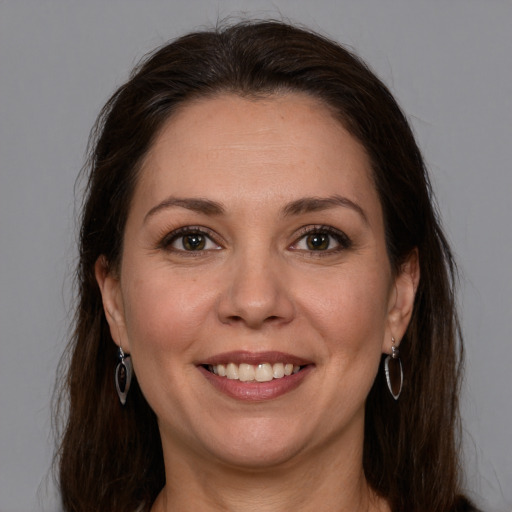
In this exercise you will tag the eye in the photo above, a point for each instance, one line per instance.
(322, 239)
(189, 240)
(318, 241)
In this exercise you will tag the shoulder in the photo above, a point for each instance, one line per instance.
(463, 504)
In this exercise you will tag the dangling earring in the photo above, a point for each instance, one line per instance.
(393, 371)
(123, 375)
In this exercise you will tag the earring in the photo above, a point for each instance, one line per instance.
(123, 375)
(393, 371)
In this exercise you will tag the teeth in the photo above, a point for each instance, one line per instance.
(264, 373)
(278, 370)
(232, 371)
(244, 372)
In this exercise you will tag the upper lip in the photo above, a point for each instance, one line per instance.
(242, 356)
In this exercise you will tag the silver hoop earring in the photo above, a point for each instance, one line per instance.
(123, 375)
(393, 371)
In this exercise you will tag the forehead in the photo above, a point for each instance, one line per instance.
(284, 145)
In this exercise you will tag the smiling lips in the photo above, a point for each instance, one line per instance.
(264, 372)
(255, 376)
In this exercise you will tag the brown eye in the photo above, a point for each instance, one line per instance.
(194, 242)
(318, 241)
(189, 240)
(322, 239)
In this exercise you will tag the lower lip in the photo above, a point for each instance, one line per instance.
(256, 391)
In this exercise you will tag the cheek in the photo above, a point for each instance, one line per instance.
(165, 318)
(350, 310)
(164, 313)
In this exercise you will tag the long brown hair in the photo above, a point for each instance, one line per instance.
(110, 457)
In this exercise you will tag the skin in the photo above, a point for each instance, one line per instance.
(258, 286)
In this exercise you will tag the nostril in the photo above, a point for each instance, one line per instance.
(253, 321)
(252, 301)
(238, 318)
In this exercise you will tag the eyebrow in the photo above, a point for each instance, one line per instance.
(198, 205)
(298, 207)
(317, 204)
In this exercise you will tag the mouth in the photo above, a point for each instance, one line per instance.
(262, 372)
(255, 376)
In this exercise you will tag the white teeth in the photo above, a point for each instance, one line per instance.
(246, 372)
(278, 370)
(221, 370)
(263, 372)
(232, 371)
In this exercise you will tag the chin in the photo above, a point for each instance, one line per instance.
(258, 447)
(262, 459)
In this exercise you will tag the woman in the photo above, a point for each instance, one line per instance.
(264, 282)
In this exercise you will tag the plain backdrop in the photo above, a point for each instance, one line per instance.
(448, 62)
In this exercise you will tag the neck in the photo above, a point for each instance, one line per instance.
(325, 482)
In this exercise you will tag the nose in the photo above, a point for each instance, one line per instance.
(256, 293)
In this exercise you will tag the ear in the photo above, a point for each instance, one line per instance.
(401, 301)
(112, 298)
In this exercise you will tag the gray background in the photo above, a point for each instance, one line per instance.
(448, 62)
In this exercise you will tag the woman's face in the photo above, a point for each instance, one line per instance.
(255, 246)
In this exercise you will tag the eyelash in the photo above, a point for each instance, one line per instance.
(343, 241)
(175, 235)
